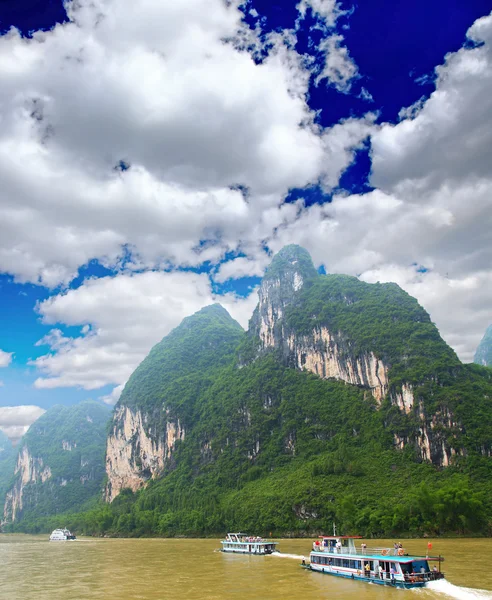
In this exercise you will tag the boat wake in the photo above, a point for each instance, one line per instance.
(283, 555)
(458, 592)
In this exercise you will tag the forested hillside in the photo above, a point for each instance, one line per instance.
(340, 402)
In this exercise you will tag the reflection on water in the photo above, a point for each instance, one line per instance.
(34, 569)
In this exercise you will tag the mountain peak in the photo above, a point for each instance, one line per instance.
(291, 259)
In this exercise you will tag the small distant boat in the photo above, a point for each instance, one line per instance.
(242, 543)
(61, 535)
(338, 555)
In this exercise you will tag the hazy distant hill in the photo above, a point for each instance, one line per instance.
(60, 462)
(7, 462)
(483, 355)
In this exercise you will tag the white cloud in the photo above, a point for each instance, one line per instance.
(114, 395)
(5, 358)
(326, 10)
(339, 69)
(156, 86)
(122, 317)
(16, 420)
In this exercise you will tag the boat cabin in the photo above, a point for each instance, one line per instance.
(340, 544)
(246, 544)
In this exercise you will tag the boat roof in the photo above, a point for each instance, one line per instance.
(387, 557)
(341, 537)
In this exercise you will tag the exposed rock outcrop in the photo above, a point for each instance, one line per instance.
(324, 352)
(136, 452)
(327, 355)
(30, 469)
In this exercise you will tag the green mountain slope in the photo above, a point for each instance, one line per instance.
(60, 463)
(178, 366)
(483, 355)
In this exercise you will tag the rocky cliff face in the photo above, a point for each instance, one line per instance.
(136, 450)
(29, 470)
(483, 355)
(322, 351)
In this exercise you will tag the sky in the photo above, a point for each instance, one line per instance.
(154, 156)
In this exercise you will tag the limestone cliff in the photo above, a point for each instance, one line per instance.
(326, 352)
(29, 470)
(137, 450)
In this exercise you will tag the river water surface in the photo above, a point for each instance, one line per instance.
(32, 568)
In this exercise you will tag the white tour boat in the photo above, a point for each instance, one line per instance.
(338, 555)
(61, 535)
(242, 543)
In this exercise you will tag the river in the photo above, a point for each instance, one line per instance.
(32, 568)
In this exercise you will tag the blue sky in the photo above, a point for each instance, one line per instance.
(153, 159)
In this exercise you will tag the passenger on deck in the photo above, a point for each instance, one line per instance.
(339, 546)
(381, 572)
(367, 569)
(393, 573)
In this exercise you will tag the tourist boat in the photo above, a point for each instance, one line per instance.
(338, 555)
(242, 543)
(61, 535)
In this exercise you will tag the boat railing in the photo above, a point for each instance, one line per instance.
(407, 577)
(362, 551)
(427, 576)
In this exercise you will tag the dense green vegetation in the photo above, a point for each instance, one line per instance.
(278, 450)
(483, 355)
(184, 363)
(272, 449)
(69, 441)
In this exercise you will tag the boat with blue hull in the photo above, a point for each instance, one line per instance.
(242, 543)
(339, 556)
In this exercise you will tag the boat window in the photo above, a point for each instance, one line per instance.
(346, 563)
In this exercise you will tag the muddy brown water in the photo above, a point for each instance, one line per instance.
(32, 568)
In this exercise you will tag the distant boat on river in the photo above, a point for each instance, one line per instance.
(61, 535)
(338, 555)
(242, 543)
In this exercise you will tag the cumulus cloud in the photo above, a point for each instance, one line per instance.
(132, 126)
(16, 420)
(339, 69)
(328, 11)
(5, 358)
(122, 318)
